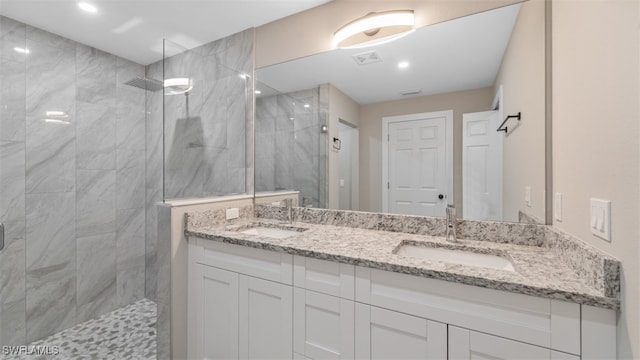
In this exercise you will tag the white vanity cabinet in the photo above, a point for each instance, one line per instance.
(233, 315)
(247, 303)
(323, 309)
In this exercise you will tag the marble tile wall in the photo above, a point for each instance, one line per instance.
(290, 149)
(72, 189)
(204, 133)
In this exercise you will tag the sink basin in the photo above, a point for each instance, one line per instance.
(271, 232)
(457, 256)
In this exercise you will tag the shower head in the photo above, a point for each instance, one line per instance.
(145, 83)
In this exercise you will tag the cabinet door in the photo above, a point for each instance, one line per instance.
(213, 314)
(385, 334)
(466, 344)
(266, 319)
(323, 325)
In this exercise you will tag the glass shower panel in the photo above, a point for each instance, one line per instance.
(205, 116)
(290, 143)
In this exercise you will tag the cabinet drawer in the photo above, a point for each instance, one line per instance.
(465, 345)
(263, 264)
(325, 277)
(543, 322)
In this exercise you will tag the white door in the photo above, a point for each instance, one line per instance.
(322, 326)
(466, 345)
(481, 166)
(266, 319)
(417, 166)
(213, 313)
(385, 334)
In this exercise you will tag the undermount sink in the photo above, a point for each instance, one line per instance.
(456, 256)
(272, 232)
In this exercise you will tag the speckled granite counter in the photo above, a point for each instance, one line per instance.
(540, 271)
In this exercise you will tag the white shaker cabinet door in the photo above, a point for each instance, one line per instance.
(466, 344)
(386, 334)
(213, 314)
(265, 319)
(323, 325)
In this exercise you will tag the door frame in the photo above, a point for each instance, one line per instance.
(386, 120)
(354, 135)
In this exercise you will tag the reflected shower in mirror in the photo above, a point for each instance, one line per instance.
(411, 125)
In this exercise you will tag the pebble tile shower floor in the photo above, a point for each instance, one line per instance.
(126, 333)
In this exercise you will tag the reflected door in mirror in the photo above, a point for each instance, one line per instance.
(417, 171)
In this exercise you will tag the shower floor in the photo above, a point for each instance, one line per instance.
(126, 333)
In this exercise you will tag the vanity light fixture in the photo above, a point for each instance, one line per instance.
(88, 7)
(177, 86)
(374, 29)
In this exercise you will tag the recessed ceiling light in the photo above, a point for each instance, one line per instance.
(307, 105)
(87, 7)
(403, 64)
(258, 92)
(21, 50)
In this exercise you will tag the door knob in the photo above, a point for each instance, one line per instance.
(440, 196)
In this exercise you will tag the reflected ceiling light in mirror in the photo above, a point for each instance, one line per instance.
(60, 114)
(403, 64)
(374, 29)
(177, 86)
(87, 7)
(57, 121)
(57, 117)
(21, 50)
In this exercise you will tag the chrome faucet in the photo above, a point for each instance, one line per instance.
(451, 224)
(288, 203)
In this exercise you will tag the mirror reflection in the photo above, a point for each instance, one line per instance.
(410, 126)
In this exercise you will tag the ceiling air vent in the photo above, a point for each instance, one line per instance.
(411, 92)
(366, 58)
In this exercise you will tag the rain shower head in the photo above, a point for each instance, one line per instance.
(145, 83)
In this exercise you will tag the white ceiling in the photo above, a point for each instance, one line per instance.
(456, 55)
(134, 29)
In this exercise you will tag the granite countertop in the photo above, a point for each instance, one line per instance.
(538, 271)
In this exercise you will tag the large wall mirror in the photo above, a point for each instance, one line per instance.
(411, 126)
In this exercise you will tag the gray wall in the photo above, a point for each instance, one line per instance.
(290, 148)
(205, 150)
(71, 195)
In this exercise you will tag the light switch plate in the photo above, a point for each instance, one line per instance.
(600, 223)
(527, 195)
(557, 206)
(233, 213)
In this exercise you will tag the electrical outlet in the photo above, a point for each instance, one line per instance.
(557, 206)
(233, 213)
(601, 219)
(527, 196)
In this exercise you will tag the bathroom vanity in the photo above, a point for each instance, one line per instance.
(265, 288)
